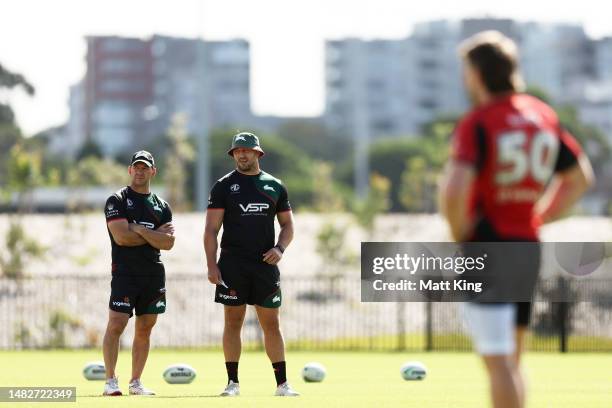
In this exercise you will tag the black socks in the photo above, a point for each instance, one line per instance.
(280, 372)
(232, 371)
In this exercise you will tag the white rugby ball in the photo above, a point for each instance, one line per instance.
(94, 371)
(413, 371)
(179, 374)
(313, 372)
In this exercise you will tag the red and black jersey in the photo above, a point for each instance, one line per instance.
(515, 143)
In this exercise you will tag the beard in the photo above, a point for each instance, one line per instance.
(245, 167)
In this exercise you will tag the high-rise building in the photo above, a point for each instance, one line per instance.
(603, 59)
(399, 85)
(133, 87)
(557, 58)
(381, 88)
(67, 140)
(118, 87)
(394, 87)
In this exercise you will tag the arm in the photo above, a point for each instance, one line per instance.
(285, 220)
(214, 219)
(157, 239)
(123, 235)
(274, 255)
(454, 189)
(565, 189)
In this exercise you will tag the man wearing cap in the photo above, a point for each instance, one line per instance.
(139, 225)
(245, 202)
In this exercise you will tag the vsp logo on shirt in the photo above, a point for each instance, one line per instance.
(254, 207)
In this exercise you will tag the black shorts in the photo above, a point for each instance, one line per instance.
(523, 314)
(145, 294)
(248, 281)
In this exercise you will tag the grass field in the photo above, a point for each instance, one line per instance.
(354, 380)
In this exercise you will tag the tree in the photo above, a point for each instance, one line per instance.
(89, 149)
(23, 174)
(19, 249)
(180, 154)
(315, 140)
(10, 80)
(418, 186)
(389, 158)
(376, 202)
(282, 159)
(326, 197)
(93, 171)
(10, 134)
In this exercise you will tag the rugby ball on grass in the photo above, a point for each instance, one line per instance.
(179, 374)
(413, 371)
(313, 372)
(94, 371)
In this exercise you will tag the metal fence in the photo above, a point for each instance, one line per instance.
(317, 314)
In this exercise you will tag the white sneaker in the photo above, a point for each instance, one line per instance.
(136, 388)
(111, 387)
(232, 390)
(285, 390)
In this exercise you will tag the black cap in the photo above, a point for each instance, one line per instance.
(144, 157)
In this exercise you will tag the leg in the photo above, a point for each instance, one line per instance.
(269, 321)
(519, 335)
(275, 348)
(523, 317)
(505, 391)
(492, 329)
(110, 346)
(232, 345)
(140, 347)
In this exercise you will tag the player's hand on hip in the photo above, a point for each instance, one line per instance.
(272, 256)
(166, 228)
(214, 275)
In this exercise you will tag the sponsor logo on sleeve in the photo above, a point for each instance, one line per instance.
(111, 211)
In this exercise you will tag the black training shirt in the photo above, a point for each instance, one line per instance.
(147, 210)
(250, 204)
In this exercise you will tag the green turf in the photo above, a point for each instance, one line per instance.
(442, 342)
(354, 380)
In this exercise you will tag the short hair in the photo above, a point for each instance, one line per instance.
(495, 57)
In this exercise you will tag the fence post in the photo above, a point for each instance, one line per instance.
(563, 315)
(429, 326)
(401, 326)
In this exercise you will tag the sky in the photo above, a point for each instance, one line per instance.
(44, 40)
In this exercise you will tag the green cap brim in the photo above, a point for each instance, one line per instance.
(256, 148)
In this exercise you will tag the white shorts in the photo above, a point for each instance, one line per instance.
(491, 327)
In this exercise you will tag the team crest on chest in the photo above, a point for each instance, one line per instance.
(155, 204)
(235, 188)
